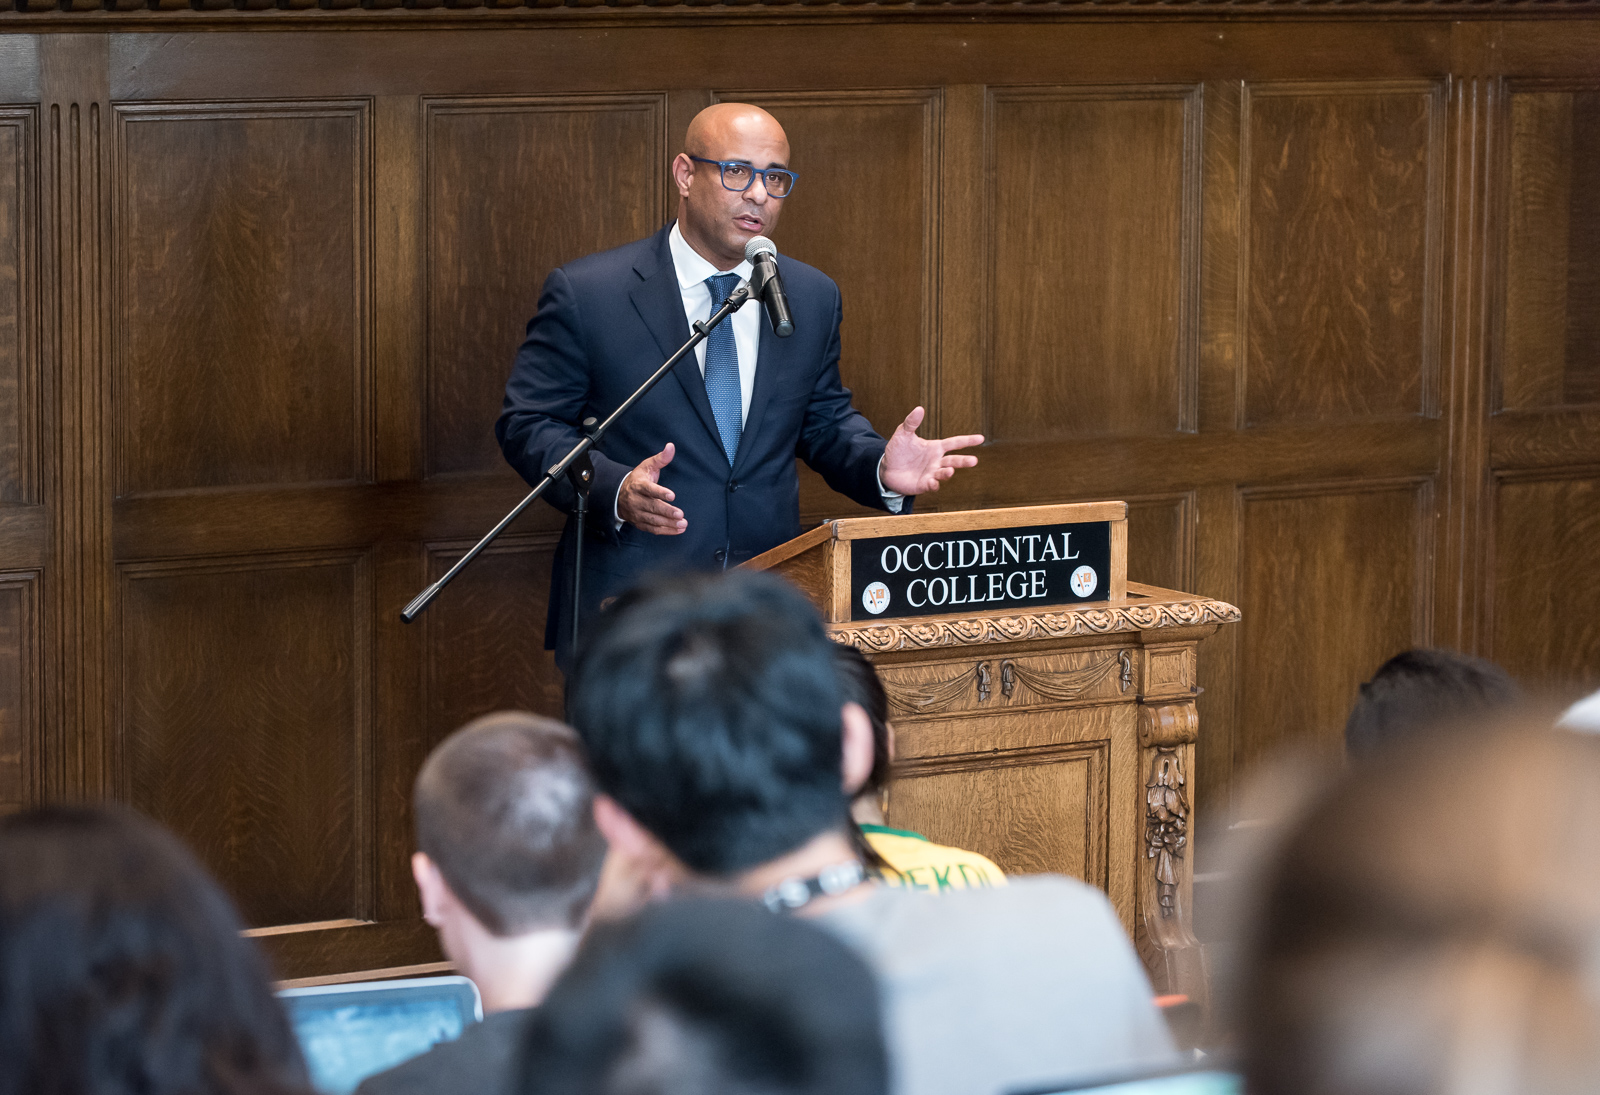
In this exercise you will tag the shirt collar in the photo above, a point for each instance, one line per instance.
(691, 267)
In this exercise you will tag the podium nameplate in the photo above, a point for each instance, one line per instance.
(993, 561)
(933, 573)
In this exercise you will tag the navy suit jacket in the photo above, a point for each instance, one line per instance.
(604, 324)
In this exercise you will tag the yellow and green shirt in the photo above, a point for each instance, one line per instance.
(916, 863)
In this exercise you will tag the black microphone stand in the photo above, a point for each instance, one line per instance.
(579, 470)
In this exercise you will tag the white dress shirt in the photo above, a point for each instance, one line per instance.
(693, 270)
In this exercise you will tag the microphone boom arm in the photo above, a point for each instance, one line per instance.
(575, 461)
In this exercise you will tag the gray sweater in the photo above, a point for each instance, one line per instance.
(992, 989)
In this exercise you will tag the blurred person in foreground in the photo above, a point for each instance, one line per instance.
(721, 745)
(507, 862)
(706, 997)
(903, 858)
(1583, 715)
(123, 970)
(1421, 690)
(1431, 925)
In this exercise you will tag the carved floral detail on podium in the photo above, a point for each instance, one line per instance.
(923, 634)
(1166, 825)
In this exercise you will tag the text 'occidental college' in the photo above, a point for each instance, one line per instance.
(931, 573)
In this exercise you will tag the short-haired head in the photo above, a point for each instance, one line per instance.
(710, 706)
(710, 998)
(123, 967)
(504, 808)
(1420, 690)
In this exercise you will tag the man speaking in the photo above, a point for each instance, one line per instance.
(700, 474)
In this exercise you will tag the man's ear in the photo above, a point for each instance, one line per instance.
(432, 888)
(682, 173)
(624, 835)
(856, 764)
(637, 862)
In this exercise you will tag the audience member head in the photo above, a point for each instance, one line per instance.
(1419, 690)
(712, 712)
(709, 998)
(861, 685)
(507, 844)
(1431, 925)
(123, 970)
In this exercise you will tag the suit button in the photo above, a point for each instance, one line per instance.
(721, 555)
(733, 485)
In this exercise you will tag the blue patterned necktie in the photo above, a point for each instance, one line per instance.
(722, 368)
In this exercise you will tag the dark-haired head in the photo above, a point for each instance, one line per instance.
(122, 967)
(709, 998)
(1420, 690)
(710, 707)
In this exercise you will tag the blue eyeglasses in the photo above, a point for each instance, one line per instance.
(738, 175)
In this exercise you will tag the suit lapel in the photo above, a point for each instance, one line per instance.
(660, 304)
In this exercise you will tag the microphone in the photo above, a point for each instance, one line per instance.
(761, 254)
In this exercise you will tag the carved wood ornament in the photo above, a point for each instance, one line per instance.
(927, 634)
(79, 13)
(1164, 730)
(1060, 685)
(1166, 824)
(1067, 685)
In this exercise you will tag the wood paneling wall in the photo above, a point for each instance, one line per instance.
(1318, 296)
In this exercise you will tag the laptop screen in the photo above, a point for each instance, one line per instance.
(349, 1032)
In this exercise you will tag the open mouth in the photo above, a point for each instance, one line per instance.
(748, 223)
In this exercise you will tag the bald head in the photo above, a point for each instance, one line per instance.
(716, 221)
(724, 124)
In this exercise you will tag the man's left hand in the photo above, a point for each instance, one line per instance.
(915, 465)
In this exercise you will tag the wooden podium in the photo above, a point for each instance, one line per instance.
(1043, 705)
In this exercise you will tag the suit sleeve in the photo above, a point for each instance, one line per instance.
(836, 440)
(547, 398)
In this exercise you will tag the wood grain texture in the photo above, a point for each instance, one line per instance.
(976, 520)
(417, 148)
(76, 481)
(74, 14)
(1032, 811)
(1546, 613)
(981, 683)
(1161, 540)
(514, 188)
(1551, 344)
(19, 366)
(242, 282)
(880, 252)
(245, 725)
(19, 689)
(1091, 316)
(486, 641)
(927, 632)
(1544, 439)
(1334, 581)
(1342, 198)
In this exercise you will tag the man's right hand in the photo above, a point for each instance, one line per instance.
(644, 503)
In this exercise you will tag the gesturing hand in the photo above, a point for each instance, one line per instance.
(644, 503)
(915, 465)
